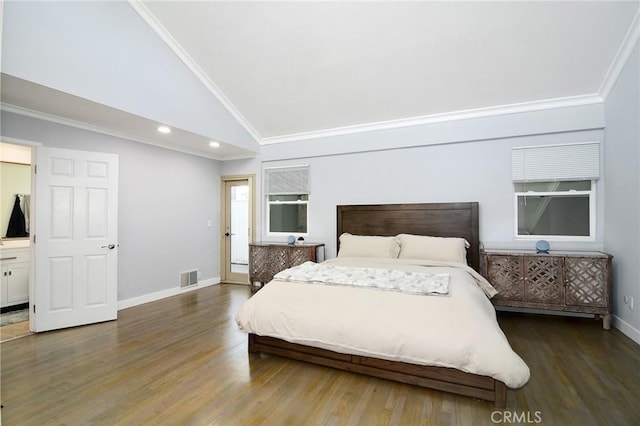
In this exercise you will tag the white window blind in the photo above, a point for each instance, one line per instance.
(287, 180)
(578, 161)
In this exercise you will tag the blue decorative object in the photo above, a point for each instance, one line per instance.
(291, 239)
(542, 246)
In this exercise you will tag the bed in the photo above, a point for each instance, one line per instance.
(340, 326)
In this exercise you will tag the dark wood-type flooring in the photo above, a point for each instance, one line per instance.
(182, 361)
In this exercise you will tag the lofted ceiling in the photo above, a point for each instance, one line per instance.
(300, 70)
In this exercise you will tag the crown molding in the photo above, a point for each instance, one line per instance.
(193, 66)
(236, 157)
(440, 118)
(622, 56)
(97, 129)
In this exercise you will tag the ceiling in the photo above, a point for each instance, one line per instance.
(27, 98)
(297, 67)
(300, 70)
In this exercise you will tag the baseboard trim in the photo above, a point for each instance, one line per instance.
(627, 329)
(163, 294)
(16, 307)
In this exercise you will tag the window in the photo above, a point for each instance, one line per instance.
(287, 192)
(563, 209)
(554, 190)
(288, 213)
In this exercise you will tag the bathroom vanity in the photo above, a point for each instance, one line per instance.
(14, 272)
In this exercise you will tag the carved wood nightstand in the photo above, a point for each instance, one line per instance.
(267, 259)
(559, 281)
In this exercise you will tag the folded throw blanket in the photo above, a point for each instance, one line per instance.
(376, 278)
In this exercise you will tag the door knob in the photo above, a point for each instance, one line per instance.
(226, 234)
(110, 246)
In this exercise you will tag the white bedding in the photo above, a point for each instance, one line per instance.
(459, 331)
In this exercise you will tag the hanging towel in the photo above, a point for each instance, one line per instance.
(25, 204)
(16, 226)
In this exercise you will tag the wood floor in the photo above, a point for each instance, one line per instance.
(13, 331)
(182, 361)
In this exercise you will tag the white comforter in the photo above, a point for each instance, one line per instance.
(459, 331)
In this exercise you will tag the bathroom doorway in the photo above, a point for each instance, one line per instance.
(15, 245)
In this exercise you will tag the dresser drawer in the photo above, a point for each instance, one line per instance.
(15, 255)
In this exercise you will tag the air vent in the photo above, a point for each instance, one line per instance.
(188, 278)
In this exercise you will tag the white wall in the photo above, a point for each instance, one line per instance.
(622, 208)
(106, 53)
(165, 201)
(463, 160)
(460, 172)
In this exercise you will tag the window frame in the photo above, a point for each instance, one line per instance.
(569, 238)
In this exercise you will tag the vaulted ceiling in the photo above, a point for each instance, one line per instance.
(297, 67)
(297, 70)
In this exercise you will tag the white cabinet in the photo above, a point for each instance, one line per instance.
(14, 276)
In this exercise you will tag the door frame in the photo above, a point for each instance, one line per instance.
(251, 178)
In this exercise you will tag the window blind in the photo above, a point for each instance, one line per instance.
(287, 180)
(578, 161)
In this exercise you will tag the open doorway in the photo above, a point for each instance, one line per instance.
(15, 245)
(237, 227)
(73, 203)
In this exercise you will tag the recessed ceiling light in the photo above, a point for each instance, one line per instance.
(214, 144)
(164, 129)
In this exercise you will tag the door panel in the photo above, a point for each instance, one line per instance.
(96, 279)
(97, 212)
(76, 229)
(60, 282)
(61, 213)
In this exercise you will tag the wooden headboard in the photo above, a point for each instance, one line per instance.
(434, 219)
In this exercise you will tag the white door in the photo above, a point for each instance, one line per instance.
(75, 230)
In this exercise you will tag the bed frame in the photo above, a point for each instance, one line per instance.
(441, 220)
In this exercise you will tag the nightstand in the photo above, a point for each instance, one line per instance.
(267, 259)
(559, 281)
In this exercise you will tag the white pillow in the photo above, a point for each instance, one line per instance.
(368, 246)
(433, 248)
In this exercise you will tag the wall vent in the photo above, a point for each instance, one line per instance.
(188, 278)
